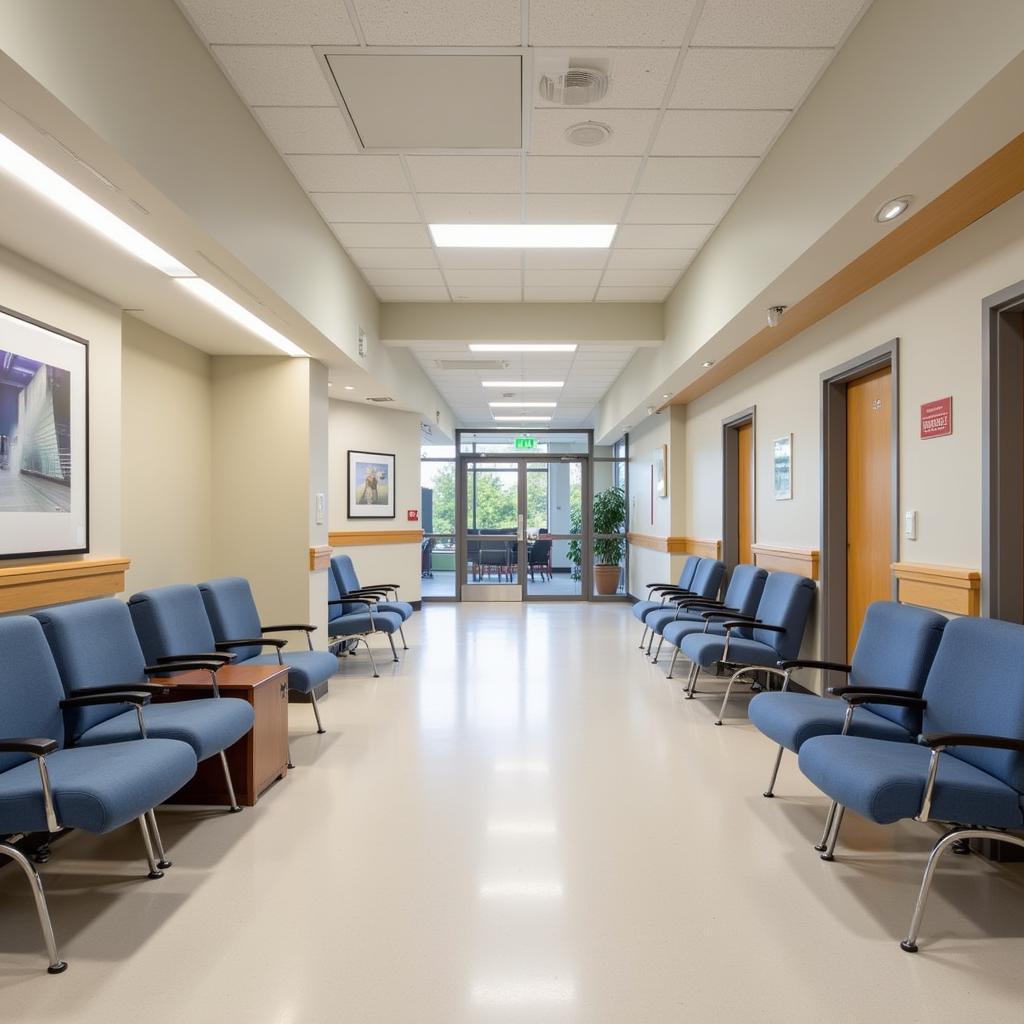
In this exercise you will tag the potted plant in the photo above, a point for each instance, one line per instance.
(609, 518)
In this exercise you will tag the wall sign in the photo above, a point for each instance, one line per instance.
(413, 515)
(782, 468)
(524, 442)
(937, 418)
(371, 485)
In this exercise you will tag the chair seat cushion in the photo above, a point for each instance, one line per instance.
(659, 619)
(792, 718)
(208, 725)
(306, 669)
(400, 608)
(95, 788)
(641, 608)
(674, 632)
(356, 623)
(708, 649)
(885, 782)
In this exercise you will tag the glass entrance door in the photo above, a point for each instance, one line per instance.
(492, 529)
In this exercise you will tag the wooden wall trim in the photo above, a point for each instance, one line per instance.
(643, 540)
(774, 558)
(354, 538)
(677, 545)
(36, 586)
(320, 557)
(946, 588)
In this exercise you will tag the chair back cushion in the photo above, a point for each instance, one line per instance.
(976, 685)
(345, 572)
(30, 690)
(895, 650)
(707, 580)
(334, 611)
(785, 601)
(171, 621)
(232, 613)
(93, 644)
(745, 587)
(689, 570)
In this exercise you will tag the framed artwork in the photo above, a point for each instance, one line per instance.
(661, 469)
(782, 467)
(44, 439)
(371, 485)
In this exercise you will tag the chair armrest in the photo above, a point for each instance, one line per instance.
(184, 665)
(832, 666)
(875, 697)
(138, 698)
(257, 642)
(293, 628)
(383, 586)
(941, 740)
(89, 691)
(685, 601)
(369, 602)
(219, 656)
(28, 745)
(841, 691)
(737, 623)
(734, 616)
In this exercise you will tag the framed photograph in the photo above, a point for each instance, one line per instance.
(782, 467)
(44, 439)
(661, 469)
(371, 485)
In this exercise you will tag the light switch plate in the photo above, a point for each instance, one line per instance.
(910, 525)
(320, 503)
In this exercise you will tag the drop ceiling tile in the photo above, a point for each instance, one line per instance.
(479, 277)
(724, 175)
(564, 293)
(463, 293)
(632, 294)
(718, 132)
(630, 131)
(492, 259)
(566, 209)
(561, 278)
(649, 209)
(468, 173)
(639, 78)
(662, 236)
(276, 76)
(405, 278)
(756, 79)
(271, 21)
(609, 23)
(779, 23)
(447, 23)
(366, 207)
(382, 235)
(368, 259)
(640, 278)
(650, 259)
(565, 259)
(439, 208)
(307, 129)
(424, 294)
(602, 174)
(349, 173)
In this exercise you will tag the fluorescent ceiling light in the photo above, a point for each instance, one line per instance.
(233, 311)
(892, 209)
(516, 385)
(522, 405)
(522, 347)
(522, 236)
(522, 419)
(34, 173)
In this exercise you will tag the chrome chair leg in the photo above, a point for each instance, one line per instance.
(401, 633)
(161, 858)
(657, 651)
(829, 853)
(154, 871)
(394, 653)
(57, 966)
(672, 663)
(822, 844)
(650, 642)
(728, 691)
(373, 664)
(643, 637)
(231, 789)
(316, 712)
(691, 682)
(770, 791)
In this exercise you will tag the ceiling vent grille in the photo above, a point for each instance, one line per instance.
(575, 86)
(588, 133)
(384, 399)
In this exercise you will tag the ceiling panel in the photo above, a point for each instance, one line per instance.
(307, 129)
(276, 76)
(369, 258)
(349, 173)
(567, 259)
(440, 22)
(581, 173)
(724, 175)
(440, 208)
(271, 21)
(775, 23)
(639, 278)
(662, 236)
(560, 293)
(639, 78)
(717, 132)
(367, 207)
(405, 278)
(651, 209)
(609, 23)
(388, 235)
(466, 173)
(495, 259)
(474, 293)
(413, 294)
(632, 294)
(630, 131)
(755, 79)
(558, 278)
(570, 209)
(650, 259)
(484, 276)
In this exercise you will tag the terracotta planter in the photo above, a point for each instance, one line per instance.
(606, 578)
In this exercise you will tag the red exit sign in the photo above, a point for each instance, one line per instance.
(937, 417)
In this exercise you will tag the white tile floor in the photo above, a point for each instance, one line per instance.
(521, 822)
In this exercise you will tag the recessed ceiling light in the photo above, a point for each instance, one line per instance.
(522, 419)
(330, 384)
(522, 405)
(349, 387)
(665, 396)
(707, 363)
(520, 384)
(588, 133)
(523, 236)
(517, 347)
(892, 209)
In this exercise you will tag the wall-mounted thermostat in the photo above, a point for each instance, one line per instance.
(321, 504)
(910, 525)
(362, 345)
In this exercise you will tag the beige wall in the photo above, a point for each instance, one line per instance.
(167, 412)
(355, 426)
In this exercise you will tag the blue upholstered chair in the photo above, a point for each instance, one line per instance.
(894, 652)
(355, 618)
(656, 590)
(385, 593)
(236, 628)
(705, 582)
(967, 768)
(758, 644)
(742, 595)
(45, 786)
(94, 646)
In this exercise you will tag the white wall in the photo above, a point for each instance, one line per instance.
(363, 427)
(645, 565)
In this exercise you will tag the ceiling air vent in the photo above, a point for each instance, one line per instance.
(588, 133)
(380, 399)
(471, 364)
(575, 86)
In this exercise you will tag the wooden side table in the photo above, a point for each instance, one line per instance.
(260, 757)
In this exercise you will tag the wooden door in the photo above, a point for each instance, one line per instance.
(745, 492)
(869, 454)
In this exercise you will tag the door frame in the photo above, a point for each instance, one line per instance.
(1002, 448)
(730, 488)
(833, 489)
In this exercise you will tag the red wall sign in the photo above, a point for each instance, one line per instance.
(413, 515)
(937, 418)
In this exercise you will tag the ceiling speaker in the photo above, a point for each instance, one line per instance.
(574, 86)
(588, 133)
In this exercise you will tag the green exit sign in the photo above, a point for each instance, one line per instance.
(526, 442)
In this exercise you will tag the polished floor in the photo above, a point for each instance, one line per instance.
(521, 822)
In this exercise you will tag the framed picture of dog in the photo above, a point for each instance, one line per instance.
(371, 485)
